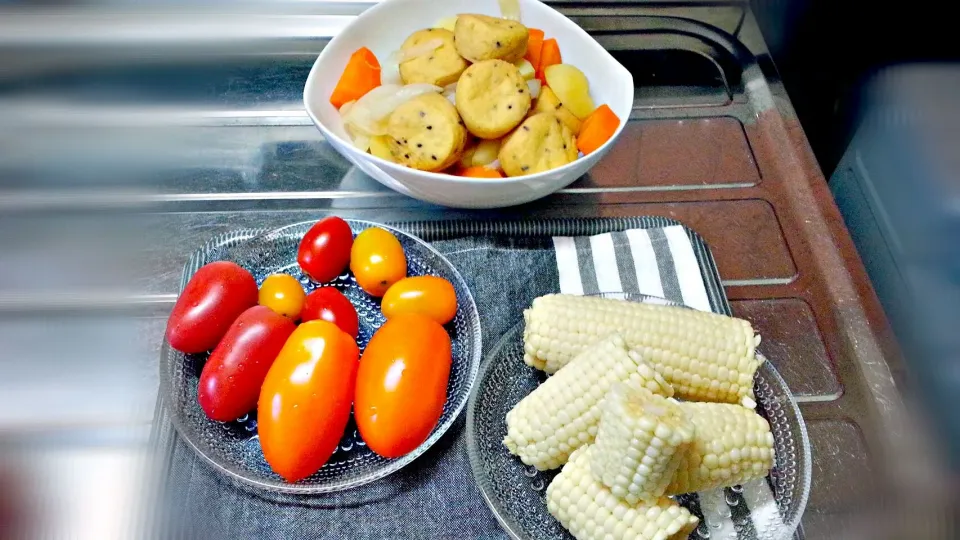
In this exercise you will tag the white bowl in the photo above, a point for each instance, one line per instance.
(384, 27)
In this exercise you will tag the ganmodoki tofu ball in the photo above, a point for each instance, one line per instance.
(441, 66)
(426, 134)
(481, 37)
(492, 98)
(542, 142)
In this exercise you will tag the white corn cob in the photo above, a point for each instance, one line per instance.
(562, 413)
(704, 356)
(641, 441)
(731, 444)
(590, 511)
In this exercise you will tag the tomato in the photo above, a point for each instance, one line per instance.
(305, 400)
(324, 251)
(329, 304)
(377, 260)
(213, 298)
(427, 295)
(231, 378)
(284, 294)
(402, 384)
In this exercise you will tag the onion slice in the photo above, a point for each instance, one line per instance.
(418, 50)
(510, 9)
(534, 86)
(450, 92)
(493, 165)
(360, 141)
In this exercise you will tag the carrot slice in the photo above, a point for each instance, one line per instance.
(480, 172)
(361, 75)
(534, 46)
(597, 129)
(549, 55)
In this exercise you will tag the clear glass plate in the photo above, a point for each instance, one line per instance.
(233, 447)
(516, 493)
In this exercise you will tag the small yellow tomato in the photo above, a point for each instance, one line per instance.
(427, 295)
(283, 294)
(377, 260)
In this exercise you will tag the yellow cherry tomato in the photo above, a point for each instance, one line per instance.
(377, 260)
(283, 294)
(427, 295)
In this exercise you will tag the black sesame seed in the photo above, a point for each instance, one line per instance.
(406, 156)
(526, 128)
(509, 106)
(564, 146)
(520, 91)
(525, 167)
(419, 145)
(559, 106)
(433, 157)
(498, 44)
(422, 114)
(429, 127)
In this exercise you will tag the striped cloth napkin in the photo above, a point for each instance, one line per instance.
(661, 262)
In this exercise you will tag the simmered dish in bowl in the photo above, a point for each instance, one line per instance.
(475, 95)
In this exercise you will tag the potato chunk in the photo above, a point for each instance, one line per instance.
(572, 87)
(549, 102)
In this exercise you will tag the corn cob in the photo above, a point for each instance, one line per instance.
(562, 413)
(641, 441)
(704, 356)
(731, 444)
(587, 509)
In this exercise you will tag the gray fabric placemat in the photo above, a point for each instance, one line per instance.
(506, 265)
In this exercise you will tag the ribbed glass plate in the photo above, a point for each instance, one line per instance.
(517, 493)
(233, 448)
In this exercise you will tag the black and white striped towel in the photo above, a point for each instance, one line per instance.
(661, 262)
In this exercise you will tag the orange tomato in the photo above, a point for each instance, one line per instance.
(427, 295)
(283, 294)
(377, 260)
(402, 384)
(305, 400)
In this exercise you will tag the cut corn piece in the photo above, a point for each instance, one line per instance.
(704, 356)
(587, 509)
(731, 444)
(641, 441)
(562, 414)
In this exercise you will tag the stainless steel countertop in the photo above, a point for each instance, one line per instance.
(130, 135)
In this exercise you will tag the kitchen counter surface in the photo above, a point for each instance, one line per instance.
(128, 139)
